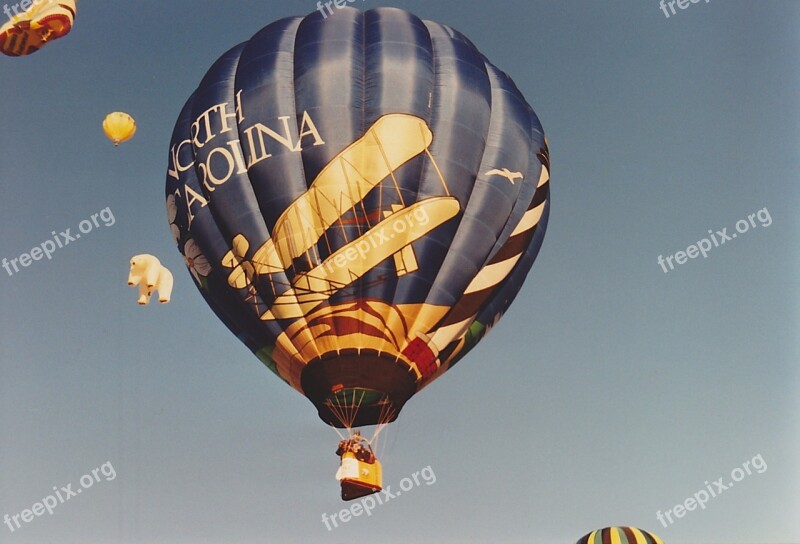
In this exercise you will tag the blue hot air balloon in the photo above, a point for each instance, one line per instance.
(359, 199)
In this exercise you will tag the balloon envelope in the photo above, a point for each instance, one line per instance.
(620, 535)
(32, 29)
(119, 127)
(358, 199)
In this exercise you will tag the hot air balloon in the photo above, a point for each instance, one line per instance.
(28, 31)
(359, 200)
(119, 127)
(620, 535)
(150, 275)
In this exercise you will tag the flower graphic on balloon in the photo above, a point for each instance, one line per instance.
(172, 212)
(196, 262)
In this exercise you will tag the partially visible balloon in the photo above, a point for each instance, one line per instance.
(620, 535)
(119, 127)
(30, 30)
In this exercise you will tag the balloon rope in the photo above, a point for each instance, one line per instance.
(346, 418)
(348, 411)
(345, 413)
(357, 406)
(376, 435)
(339, 433)
(334, 411)
(387, 411)
(338, 411)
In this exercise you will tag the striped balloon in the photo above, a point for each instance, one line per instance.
(620, 535)
(359, 198)
(43, 22)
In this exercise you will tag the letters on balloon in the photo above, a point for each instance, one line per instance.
(232, 155)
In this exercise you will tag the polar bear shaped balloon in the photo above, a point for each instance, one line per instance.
(150, 275)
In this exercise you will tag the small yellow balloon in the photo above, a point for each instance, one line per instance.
(119, 127)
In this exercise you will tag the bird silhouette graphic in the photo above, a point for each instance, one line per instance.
(506, 173)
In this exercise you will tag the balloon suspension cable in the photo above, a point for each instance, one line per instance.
(341, 436)
(345, 413)
(338, 411)
(374, 440)
(387, 414)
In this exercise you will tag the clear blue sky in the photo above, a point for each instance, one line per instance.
(610, 390)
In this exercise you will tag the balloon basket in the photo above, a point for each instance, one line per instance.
(359, 478)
